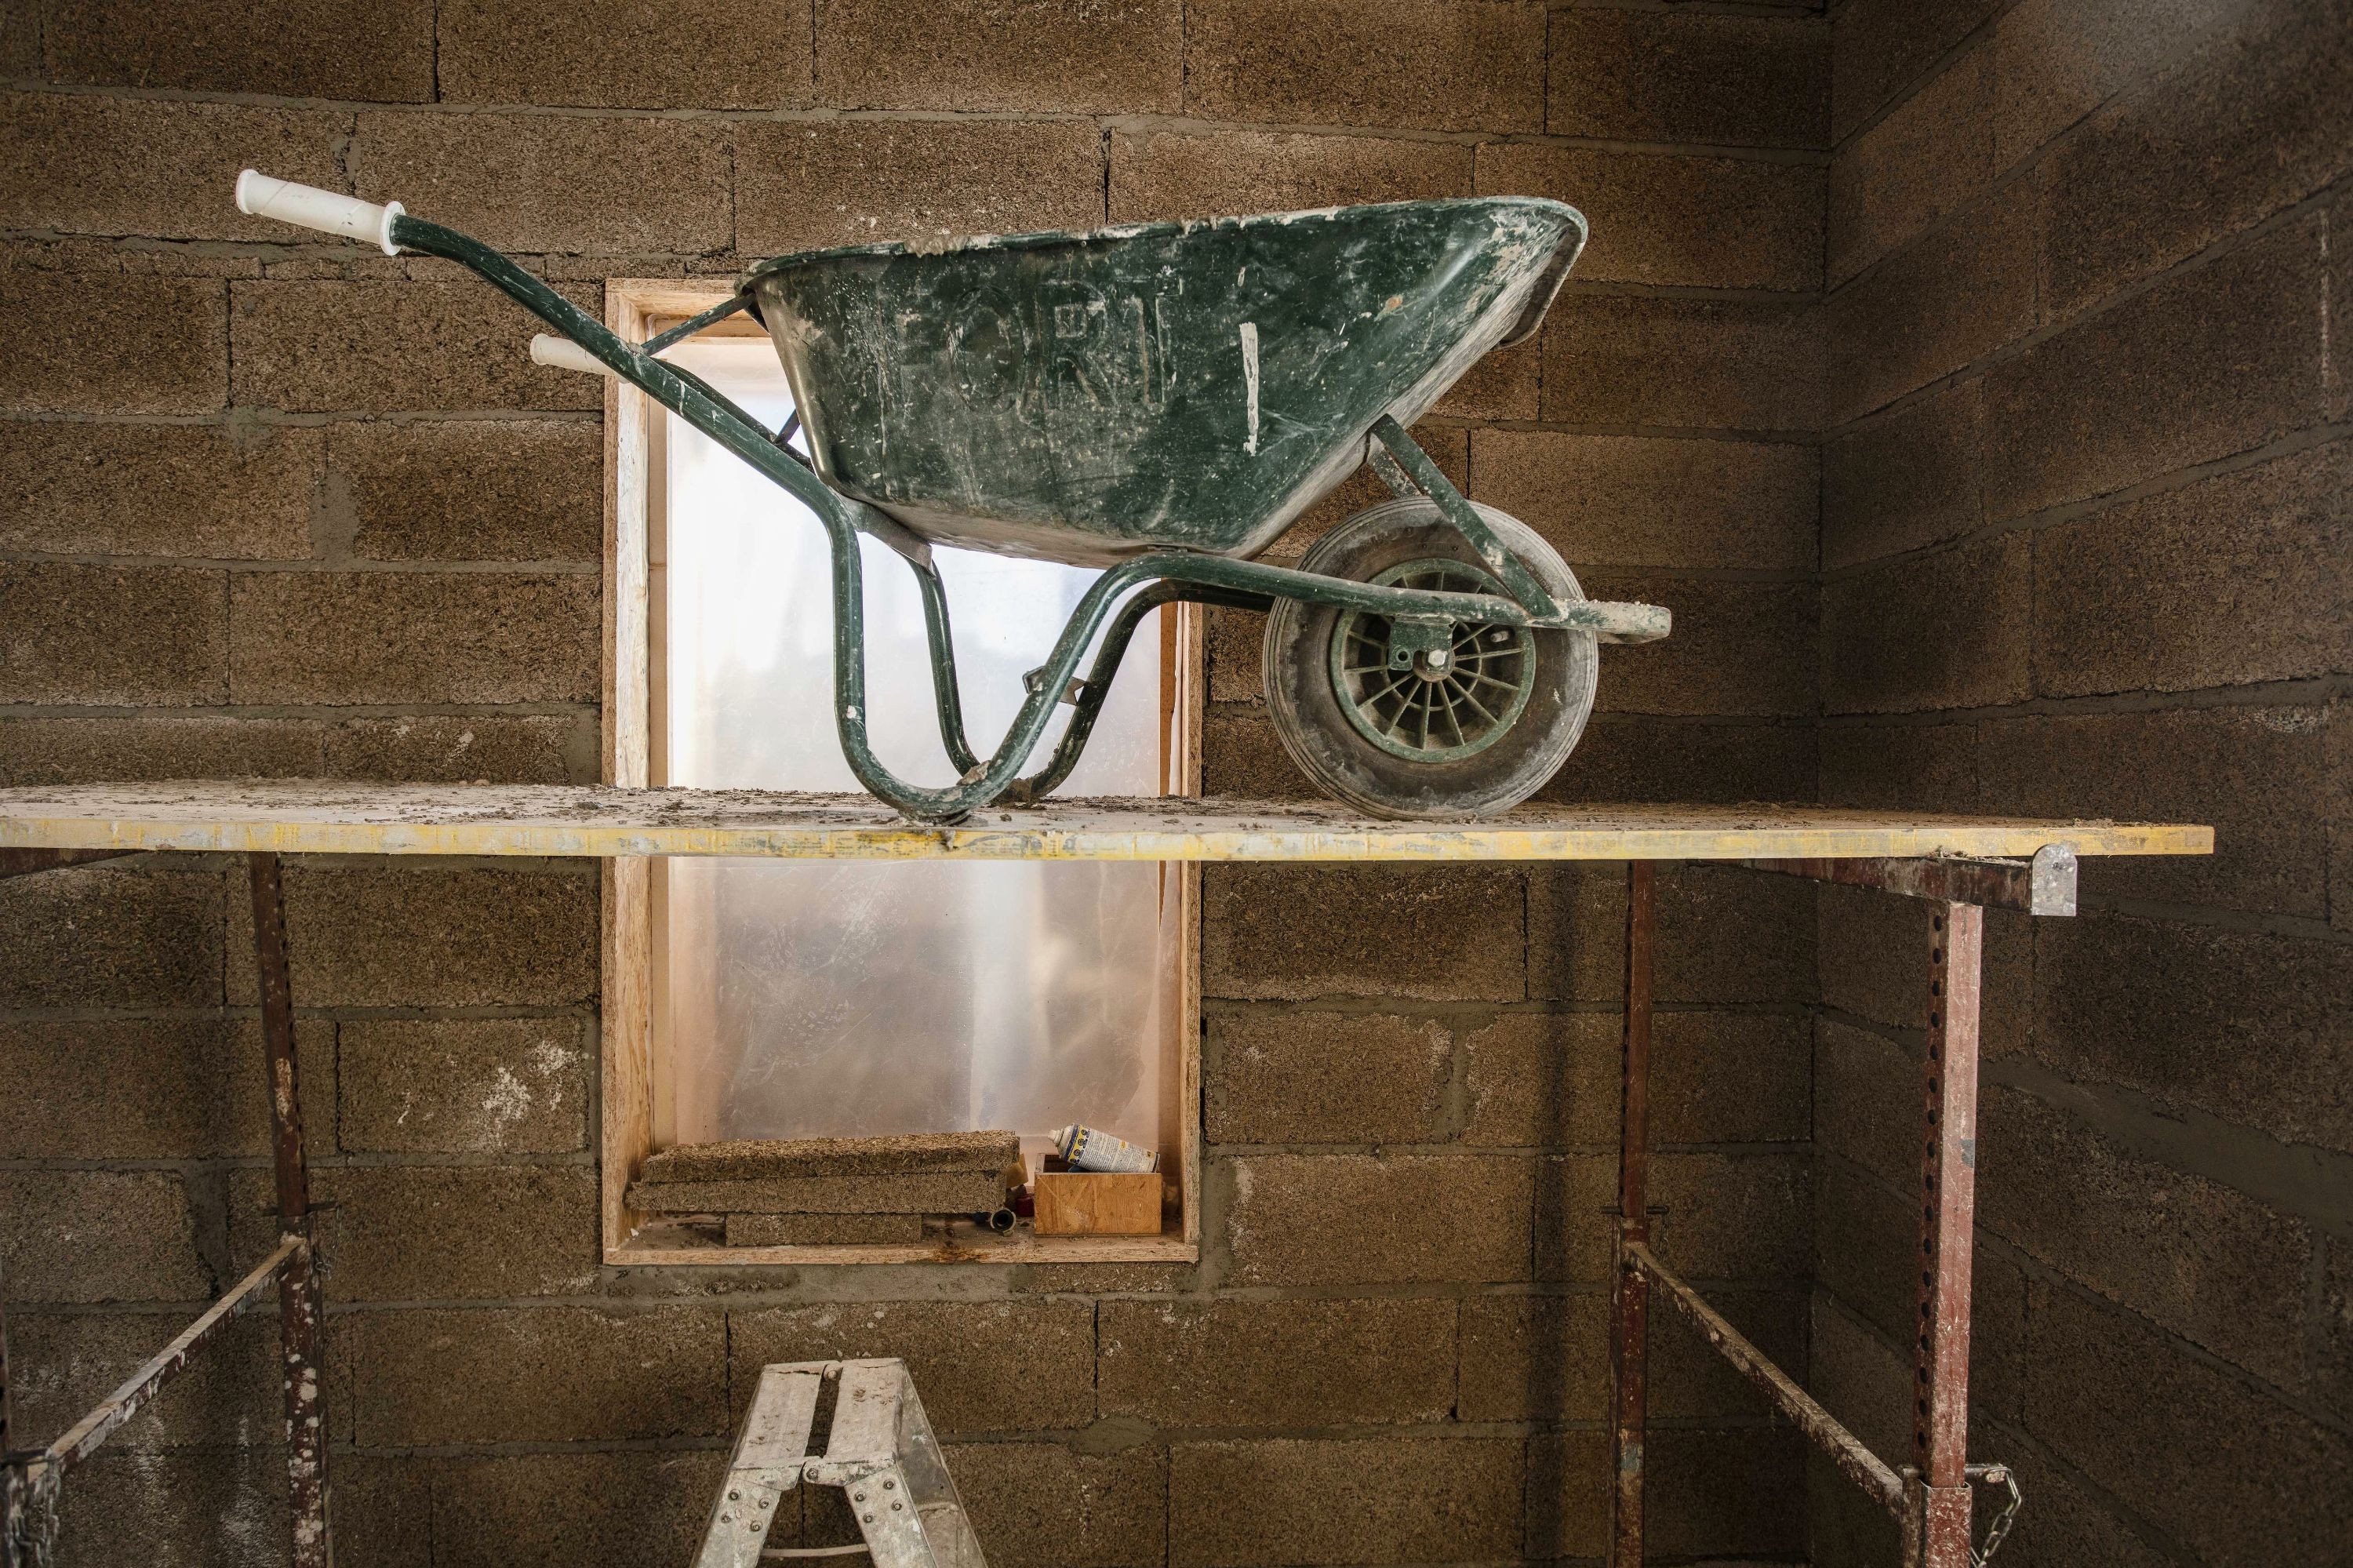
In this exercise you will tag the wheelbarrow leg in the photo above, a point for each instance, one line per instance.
(1517, 580)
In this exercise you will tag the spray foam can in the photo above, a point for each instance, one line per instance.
(1091, 1148)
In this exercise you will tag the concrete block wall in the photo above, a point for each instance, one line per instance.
(270, 508)
(2086, 531)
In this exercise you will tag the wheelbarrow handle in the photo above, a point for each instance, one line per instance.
(307, 207)
(563, 354)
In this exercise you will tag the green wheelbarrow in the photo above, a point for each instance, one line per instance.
(1162, 401)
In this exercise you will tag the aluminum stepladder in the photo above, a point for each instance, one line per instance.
(879, 1451)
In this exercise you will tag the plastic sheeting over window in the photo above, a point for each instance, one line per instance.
(848, 998)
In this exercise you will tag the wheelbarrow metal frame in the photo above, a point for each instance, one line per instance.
(1171, 574)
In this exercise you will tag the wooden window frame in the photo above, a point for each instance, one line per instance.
(635, 308)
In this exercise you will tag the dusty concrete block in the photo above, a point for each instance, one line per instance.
(536, 1374)
(1874, 964)
(1076, 57)
(104, 936)
(1953, 629)
(2066, 1525)
(1735, 365)
(372, 936)
(1716, 1495)
(1867, 1102)
(414, 637)
(380, 50)
(1878, 47)
(1900, 766)
(61, 1364)
(1865, 1237)
(160, 1088)
(2110, 1395)
(1294, 932)
(1234, 649)
(2254, 773)
(1503, 385)
(1417, 1499)
(824, 1230)
(1634, 757)
(104, 343)
(1241, 759)
(100, 1235)
(543, 749)
(320, 345)
(477, 490)
(87, 163)
(1670, 76)
(1438, 64)
(111, 750)
(1537, 1358)
(1929, 157)
(243, 492)
(1552, 1078)
(2332, 1362)
(2236, 579)
(1368, 1219)
(475, 1086)
(416, 1233)
(801, 186)
(1542, 1078)
(980, 1366)
(696, 53)
(2177, 1011)
(1727, 936)
(2255, 120)
(1039, 1505)
(2215, 1266)
(1940, 302)
(193, 1505)
(1863, 1380)
(1309, 1077)
(1177, 173)
(1727, 1216)
(1746, 648)
(550, 1509)
(931, 1193)
(1905, 482)
(2057, 60)
(1276, 1363)
(1646, 501)
(2214, 362)
(540, 183)
(1658, 218)
(1578, 931)
(112, 634)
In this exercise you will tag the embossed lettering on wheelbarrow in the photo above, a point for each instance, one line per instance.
(1163, 400)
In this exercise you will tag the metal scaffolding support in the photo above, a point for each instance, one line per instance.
(1931, 1498)
(32, 1482)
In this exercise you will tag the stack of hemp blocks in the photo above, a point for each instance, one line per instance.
(838, 1191)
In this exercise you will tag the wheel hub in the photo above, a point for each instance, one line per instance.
(1430, 691)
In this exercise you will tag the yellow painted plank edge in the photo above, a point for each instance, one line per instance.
(1267, 842)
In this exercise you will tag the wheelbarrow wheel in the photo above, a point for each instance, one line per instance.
(1470, 734)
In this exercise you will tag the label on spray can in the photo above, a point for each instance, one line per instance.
(1091, 1148)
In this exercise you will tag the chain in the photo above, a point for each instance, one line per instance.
(1995, 1531)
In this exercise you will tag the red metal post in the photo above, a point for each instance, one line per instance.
(1629, 1310)
(1947, 1220)
(300, 1318)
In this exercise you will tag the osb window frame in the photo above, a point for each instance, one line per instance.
(636, 308)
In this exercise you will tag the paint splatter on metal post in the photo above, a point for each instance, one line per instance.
(1937, 1532)
(300, 1318)
(1628, 1338)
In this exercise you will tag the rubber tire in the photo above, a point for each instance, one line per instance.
(1314, 730)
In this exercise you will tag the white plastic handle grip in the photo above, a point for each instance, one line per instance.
(307, 207)
(565, 354)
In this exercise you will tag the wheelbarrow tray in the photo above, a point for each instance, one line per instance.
(1081, 397)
